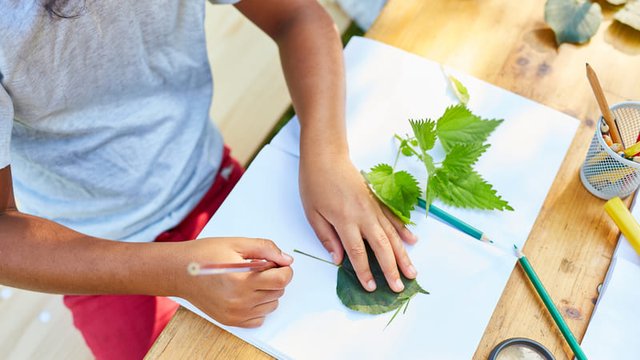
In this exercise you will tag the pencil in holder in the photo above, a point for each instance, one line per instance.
(605, 173)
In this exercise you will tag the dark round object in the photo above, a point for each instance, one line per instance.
(521, 342)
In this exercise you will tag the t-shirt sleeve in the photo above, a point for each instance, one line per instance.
(6, 122)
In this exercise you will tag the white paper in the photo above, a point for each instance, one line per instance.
(615, 325)
(465, 278)
(387, 86)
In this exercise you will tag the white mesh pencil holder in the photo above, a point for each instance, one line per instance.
(605, 173)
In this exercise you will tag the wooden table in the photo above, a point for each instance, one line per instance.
(508, 44)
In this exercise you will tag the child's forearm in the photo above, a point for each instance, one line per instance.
(41, 255)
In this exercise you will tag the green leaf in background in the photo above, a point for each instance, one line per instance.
(467, 191)
(399, 191)
(630, 15)
(380, 301)
(424, 131)
(460, 90)
(461, 157)
(459, 125)
(572, 21)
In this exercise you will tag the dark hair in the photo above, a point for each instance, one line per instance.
(63, 9)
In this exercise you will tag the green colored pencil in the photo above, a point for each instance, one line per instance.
(454, 221)
(555, 314)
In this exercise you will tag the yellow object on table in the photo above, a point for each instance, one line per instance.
(625, 221)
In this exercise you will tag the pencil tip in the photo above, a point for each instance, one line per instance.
(515, 247)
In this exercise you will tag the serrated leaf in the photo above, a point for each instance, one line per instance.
(572, 21)
(383, 299)
(630, 15)
(461, 157)
(458, 125)
(459, 90)
(469, 191)
(430, 193)
(399, 191)
(424, 131)
(428, 163)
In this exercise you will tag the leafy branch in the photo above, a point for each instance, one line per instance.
(454, 181)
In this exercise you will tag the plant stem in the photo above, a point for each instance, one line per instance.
(410, 147)
(314, 257)
(396, 160)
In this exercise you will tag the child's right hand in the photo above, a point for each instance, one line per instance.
(237, 299)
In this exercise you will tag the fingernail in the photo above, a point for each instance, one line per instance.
(371, 285)
(287, 256)
(399, 285)
(334, 257)
(414, 236)
(412, 271)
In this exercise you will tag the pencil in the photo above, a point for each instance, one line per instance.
(604, 106)
(555, 314)
(455, 222)
(196, 269)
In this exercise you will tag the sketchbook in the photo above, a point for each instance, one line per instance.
(387, 86)
(464, 276)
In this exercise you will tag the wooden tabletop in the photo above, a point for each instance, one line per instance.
(508, 44)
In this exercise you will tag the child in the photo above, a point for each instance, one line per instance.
(105, 104)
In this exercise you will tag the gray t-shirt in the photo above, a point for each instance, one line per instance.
(104, 118)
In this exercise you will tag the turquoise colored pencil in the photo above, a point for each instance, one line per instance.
(555, 314)
(454, 221)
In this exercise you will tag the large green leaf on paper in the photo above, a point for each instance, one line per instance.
(630, 15)
(399, 191)
(461, 157)
(573, 21)
(458, 125)
(383, 299)
(466, 190)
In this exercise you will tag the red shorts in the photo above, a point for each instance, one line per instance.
(125, 326)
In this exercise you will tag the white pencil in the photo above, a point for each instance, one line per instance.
(196, 269)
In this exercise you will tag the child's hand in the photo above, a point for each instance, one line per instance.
(343, 212)
(237, 299)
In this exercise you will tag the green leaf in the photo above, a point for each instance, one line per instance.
(468, 191)
(399, 191)
(459, 125)
(630, 15)
(461, 157)
(424, 131)
(572, 21)
(380, 301)
(460, 90)
(428, 163)
(430, 194)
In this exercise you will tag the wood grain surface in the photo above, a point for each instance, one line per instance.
(508, 44)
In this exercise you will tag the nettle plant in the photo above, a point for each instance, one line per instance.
(453, 180)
